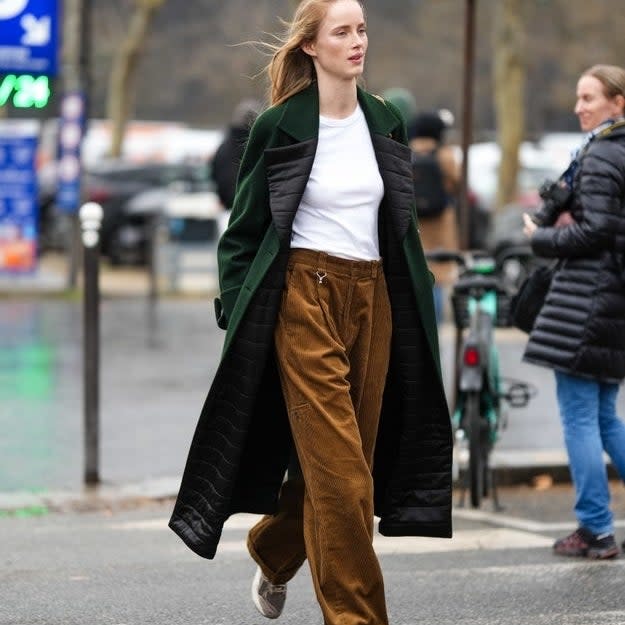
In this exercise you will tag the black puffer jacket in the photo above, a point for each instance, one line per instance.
(581, 327)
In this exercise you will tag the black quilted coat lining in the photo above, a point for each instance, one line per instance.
(242, 444)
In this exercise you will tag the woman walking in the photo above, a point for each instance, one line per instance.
(330, 363)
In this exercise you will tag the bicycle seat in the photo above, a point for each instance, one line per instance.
(471, 283)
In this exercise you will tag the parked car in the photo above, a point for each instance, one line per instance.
(187, 210)
(539, 161)
(52, 226)
(129, 195)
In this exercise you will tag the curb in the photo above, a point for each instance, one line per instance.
(115, 496)
(89, 498)
(519, 466)
(510, 469)
(513, 467)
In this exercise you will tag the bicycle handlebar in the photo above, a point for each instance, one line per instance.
(445, 256)
(520, 252)
(475, 283)
(466, 259)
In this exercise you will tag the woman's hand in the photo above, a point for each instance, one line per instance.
(529, 227)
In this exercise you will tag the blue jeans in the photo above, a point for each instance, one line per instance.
(591, 426)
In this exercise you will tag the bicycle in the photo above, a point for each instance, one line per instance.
(480, 301)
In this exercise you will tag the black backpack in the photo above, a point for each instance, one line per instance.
(429, 189)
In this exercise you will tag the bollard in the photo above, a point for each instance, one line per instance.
(154, 232)
(155, 226)
(90, 220)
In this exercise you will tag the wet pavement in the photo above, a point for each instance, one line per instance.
(155, 369)
(156, 366)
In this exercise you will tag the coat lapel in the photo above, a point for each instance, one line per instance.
(300, 119)
(380, 118)
(288, 166)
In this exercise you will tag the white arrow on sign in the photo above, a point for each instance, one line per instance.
(11, 8)
(36, 31)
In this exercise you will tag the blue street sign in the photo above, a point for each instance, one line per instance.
(71, 131)
(29, 37)
(18, 196)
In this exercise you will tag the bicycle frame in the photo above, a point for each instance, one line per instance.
(479, 301)
(477, 412)
(479, 361)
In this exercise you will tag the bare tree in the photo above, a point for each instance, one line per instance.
(509, 84)
(120, 93)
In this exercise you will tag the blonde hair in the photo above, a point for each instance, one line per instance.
(291, 69)
(612, 77)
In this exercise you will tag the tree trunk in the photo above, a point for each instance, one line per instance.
(123, 72)
(509, 83)
(71, 52)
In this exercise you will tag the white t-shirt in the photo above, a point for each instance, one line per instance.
(338, 213)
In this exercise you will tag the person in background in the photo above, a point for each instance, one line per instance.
(331, 351)
(227, 159)
(580, 330)
(438, 223)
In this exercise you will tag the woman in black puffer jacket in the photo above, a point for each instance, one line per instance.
(580, 331)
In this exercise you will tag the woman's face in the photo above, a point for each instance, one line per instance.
(341, 43)
(593, 106)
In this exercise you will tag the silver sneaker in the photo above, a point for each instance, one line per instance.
(267, 597)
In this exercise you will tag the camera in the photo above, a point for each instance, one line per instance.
(556, 196)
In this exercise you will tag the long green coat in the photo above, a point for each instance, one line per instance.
(242, 443)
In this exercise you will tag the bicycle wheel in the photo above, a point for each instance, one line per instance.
(477, 449)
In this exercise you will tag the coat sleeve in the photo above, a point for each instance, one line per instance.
(600, 195)
(248, 222)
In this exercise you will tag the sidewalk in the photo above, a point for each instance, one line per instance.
(52, 278)
(157, 363)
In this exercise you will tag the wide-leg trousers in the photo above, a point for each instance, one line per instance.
(333, 345)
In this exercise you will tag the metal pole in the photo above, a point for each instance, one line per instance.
(467, 137)
(91, 218)
(467, 121)
(152, 256)
(153, 252)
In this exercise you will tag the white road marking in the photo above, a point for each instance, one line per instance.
(578, 618)
(525, 525)
(463, 540)
(496, 519)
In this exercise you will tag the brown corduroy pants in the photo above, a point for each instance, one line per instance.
(333, 344)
